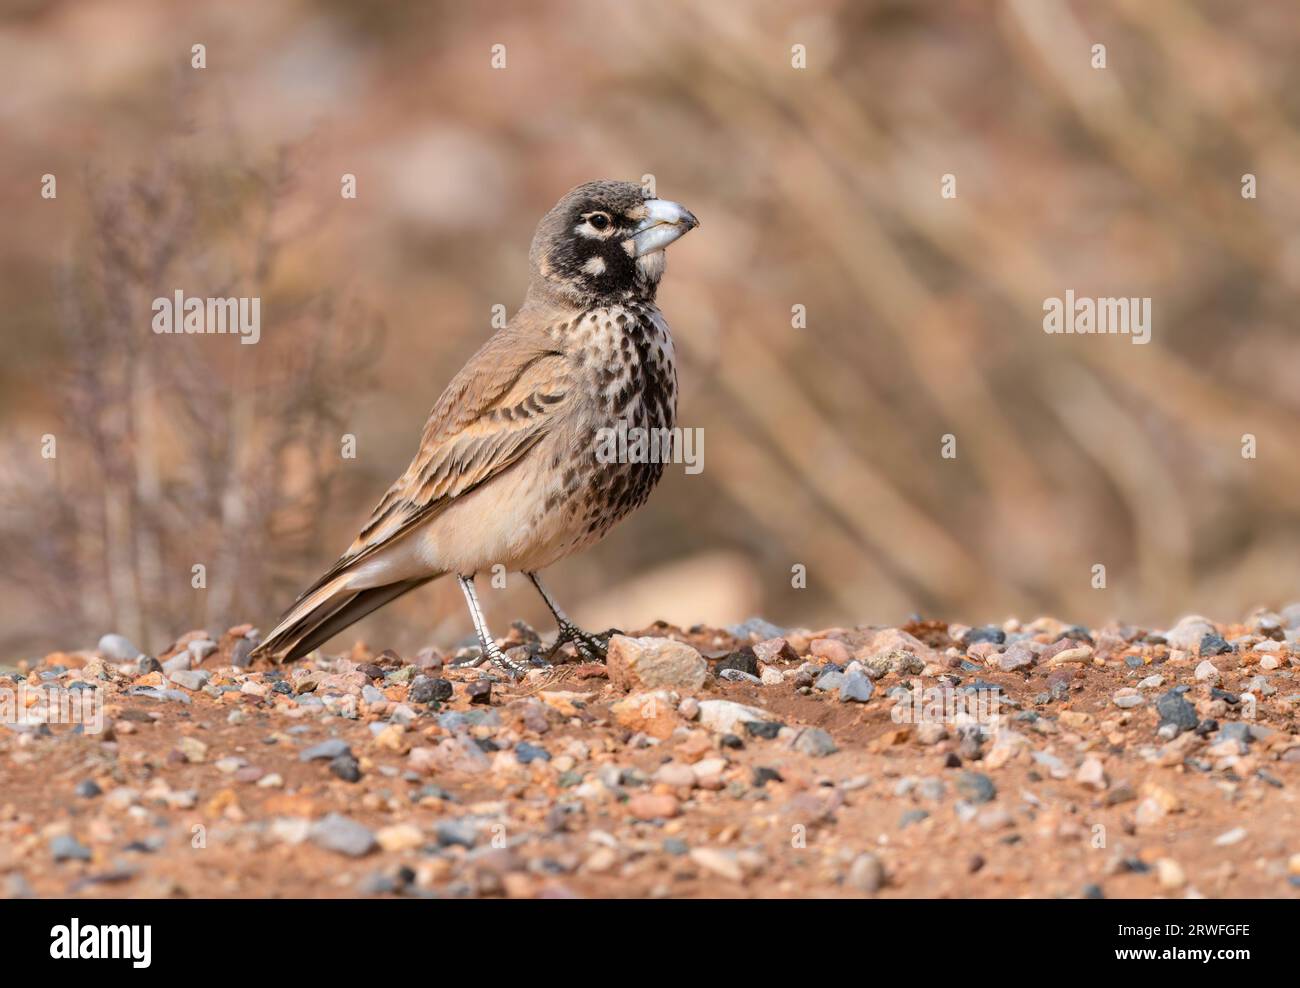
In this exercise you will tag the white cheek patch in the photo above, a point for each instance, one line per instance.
(595, 265)
(630, 247)
(651, 266)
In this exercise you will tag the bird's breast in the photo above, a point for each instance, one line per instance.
(626, 373)
(624, 358)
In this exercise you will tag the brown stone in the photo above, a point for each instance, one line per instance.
(653, 712)
(652, 806)
(653, 663)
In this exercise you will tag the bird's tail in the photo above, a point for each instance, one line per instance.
(323, 612)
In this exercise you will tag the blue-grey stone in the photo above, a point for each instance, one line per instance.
(814, 741)
(201, 648)
(192, 679)
(976, 787)
(1212, 643)
(343, 835)
(856, 688)
(910, 817)
(756, 626)
(346, 768)
(988, 633)
(1175, 710)
(179, 662)
(1236, 730)
(459, 832)
(526, 753)
(329, 749)
(118, 648)
(65, 847)
(831, 680)
(461, 720)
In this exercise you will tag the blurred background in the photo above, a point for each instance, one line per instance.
(816, 187)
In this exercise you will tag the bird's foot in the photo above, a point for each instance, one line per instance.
(473, 662)
(506, 664)
(592, 648)
(493, 653)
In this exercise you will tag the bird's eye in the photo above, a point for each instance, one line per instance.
(599, 221)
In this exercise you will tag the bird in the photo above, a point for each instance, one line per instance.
(507, 470)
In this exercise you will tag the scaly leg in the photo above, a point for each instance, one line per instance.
(591, 647)
(491, 650)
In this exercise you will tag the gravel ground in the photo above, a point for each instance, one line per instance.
(927, 761)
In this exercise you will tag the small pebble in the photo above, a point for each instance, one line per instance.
(330, 749)
(343, 835)
(346, 767)
(1170, 874)
(856, 688)
(866, 874)
(65, 847)
(976, 787)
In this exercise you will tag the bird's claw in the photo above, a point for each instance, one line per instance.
(498, 658)
(506, 664)
(592, 648)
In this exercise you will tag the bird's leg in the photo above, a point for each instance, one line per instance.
(491, 649)
(592, 647)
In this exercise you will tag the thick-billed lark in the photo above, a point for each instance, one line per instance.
(507, 471)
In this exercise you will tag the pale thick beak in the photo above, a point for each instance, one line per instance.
(665, 221)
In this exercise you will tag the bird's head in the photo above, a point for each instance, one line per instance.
(604, 243)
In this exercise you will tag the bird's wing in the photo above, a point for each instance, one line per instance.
(499, 406)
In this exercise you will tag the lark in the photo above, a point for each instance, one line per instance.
(506, 471)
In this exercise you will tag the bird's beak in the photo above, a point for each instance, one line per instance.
(665, 221)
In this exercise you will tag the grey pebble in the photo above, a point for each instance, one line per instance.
(346, 767)
(453, 832)
(239, 655)
(765, 630)
(739, 676)
(179, 662)
(976, 787)
(1235, 730)
(117, 648)
(814, 741)
(65, 847)
(830, 680)
(16, 887)
(856, 688)
(343, 835)
(461, 720)
(201, 648)
(1174, 709)
(331, 749)
(176, 695)
(190, 679)
(526, 753)
(866, 874)
(931, 788)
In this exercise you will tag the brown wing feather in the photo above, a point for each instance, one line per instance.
(500, 404)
